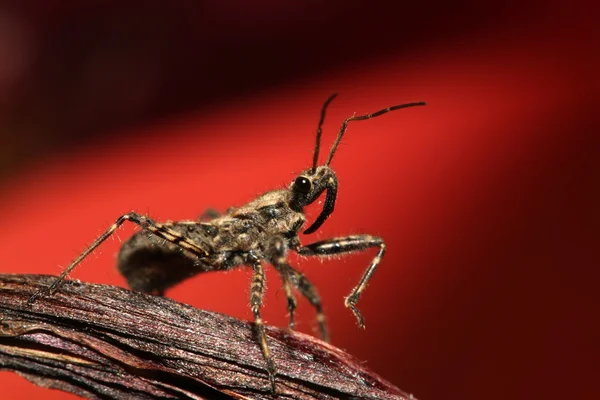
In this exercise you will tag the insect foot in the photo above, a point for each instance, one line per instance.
(350, 302)
(42, 292)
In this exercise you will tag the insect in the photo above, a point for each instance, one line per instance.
(264, 230)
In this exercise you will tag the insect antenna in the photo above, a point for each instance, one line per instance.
(363, 117)
(318, 144)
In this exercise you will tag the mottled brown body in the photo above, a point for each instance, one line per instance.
(144, 258)
(262, 231)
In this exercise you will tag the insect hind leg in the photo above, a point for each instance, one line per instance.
(138, 219)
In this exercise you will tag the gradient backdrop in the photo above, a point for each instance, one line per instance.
(487, 198)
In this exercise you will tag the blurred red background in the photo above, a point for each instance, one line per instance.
(487, 198)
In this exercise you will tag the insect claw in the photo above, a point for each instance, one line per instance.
(32, 299)
(271, 373)
(42, 292)
(292, 309)
(359, 317)
(273, 385)
(351, 304)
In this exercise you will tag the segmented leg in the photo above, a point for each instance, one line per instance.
(257, 289)
(291, 300)
(347, 245)
(276, 254)
(278, 249)
(156, 228)
(309, 291)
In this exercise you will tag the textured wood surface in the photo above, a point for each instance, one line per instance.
(105, 342)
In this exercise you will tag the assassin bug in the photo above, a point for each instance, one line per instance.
(266, 229)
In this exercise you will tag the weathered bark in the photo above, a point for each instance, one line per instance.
(105, 342)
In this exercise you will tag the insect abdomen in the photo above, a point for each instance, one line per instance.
(151, 264)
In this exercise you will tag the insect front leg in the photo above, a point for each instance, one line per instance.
(146, 223)
(257, 289)
(346, 245)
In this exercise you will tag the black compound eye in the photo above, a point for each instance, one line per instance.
(302, 184)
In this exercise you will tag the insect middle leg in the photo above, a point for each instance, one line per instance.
(154, 227)
(346, 245)
(277, 255)
(289, 294)
(257, 290)
(309, 291)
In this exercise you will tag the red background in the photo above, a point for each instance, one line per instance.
(487, 198)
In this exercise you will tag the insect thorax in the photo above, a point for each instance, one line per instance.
(253, 225)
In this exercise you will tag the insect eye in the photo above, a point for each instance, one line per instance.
(302, 184)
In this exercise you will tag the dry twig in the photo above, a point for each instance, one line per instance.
(105, 342)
